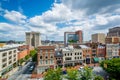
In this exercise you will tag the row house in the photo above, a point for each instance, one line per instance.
(98, 52)
(112, 51)
(87, 53)
(72, 56)
(101, 52)
(59, 58)
(45, 58)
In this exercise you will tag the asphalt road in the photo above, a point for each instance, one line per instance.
(23, 73)
(99, 71)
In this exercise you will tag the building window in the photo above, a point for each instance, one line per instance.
(75, 53)
(46, 62)
(68, 54)
(51, 61)
(10, 62)
(10, 52)
(40, 61)
(14, 51)
(78, 53)
(4, 65)
(68, 58)
(78, 57)
(51, 56)
(46, 57)
(15, 55)
(65, 54)
(40, 57)
(15, 59)
(4, 60)
(10, 57)
(75, 57)
(71, 54)
(4, 54)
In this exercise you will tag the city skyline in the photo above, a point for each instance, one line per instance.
(54, 17)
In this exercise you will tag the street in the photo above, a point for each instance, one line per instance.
(99, 71)
(23, 73)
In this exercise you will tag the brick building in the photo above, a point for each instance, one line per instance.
(87, 53)
(23, 51)
(45, 58)
(101, 52)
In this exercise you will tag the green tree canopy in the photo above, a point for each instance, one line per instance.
(53, 74)
(98, 78)
(72, 75)
(112, 67)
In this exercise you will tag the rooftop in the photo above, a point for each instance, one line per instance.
(9, 46)
(83, 46)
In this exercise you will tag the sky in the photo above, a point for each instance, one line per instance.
(54, 17)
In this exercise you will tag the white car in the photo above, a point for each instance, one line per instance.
(31, 68)
(80, 68)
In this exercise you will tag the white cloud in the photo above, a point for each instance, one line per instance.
(12, 31)
(70, 13)
(15, 16)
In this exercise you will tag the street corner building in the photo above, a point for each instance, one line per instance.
(45, 58)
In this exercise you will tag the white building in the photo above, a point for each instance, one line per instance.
(112, 51)
(8, 58)
(72, 56)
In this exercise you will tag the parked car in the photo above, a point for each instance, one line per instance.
(31, 68)
(81, 68)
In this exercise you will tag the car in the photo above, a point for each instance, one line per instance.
(81, 68)
(31, 68)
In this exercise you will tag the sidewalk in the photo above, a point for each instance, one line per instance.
(11, 72)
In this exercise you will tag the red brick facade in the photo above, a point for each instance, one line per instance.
(23, 51)
(101, 52)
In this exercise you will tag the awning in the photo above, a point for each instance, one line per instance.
(96, 59)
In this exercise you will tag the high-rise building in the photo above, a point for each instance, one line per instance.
(33, 39)
(73, 37)
(113, 36)
(98, 38)
(114, 32)
(112, 40)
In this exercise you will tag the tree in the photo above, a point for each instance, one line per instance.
(98, 78)
(21, 61)
(72, 74)
(52, 74)
(86, 74)
(112, 67)
(27, 57)
(33, 54)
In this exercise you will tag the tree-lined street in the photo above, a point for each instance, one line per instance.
(23, 73)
